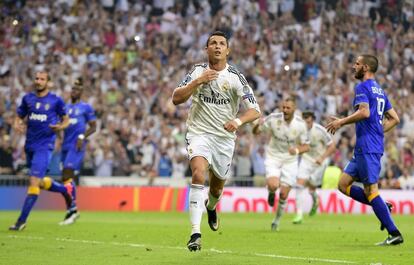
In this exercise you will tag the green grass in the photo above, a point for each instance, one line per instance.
(160, 238)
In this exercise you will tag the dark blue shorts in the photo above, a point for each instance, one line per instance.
(364, 168)
(38, 162)
(72, 159)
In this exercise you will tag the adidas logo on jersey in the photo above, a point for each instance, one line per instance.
(38, 117)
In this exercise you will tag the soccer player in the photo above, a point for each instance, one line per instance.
(215, 89)
(81, 115)
(371, 104)
(312, 164)
(46, 115)
(289, 138)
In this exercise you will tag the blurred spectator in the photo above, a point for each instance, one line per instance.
(132, 53)
(406, 181)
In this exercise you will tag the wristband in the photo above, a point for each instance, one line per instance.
(238, 121)
(81, 136)
(297, 151)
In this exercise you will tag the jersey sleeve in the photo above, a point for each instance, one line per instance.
(304, 135)
(23, 109)
(388, 104)
(190, 76)
(360, 95)
(89, 113)
(327, 138)
(60, 107)
(245, 92)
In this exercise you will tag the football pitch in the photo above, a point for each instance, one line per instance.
(160, 238)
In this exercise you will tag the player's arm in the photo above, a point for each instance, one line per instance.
(249, 116)
(18, 124)
(391, 120)
(64, 123)
(328, 152)
(299, 149)
(91, 128)
(182, 93)
(361, 114)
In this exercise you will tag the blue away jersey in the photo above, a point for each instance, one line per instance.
(80, 114)
(369, 132)
(41, 112)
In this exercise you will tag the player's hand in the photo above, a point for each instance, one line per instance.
(293, 150)
(19, 127)
(208, 75)
(79, 144)
(319, 160)
(334, 125)
(56, 127)
(231, 126)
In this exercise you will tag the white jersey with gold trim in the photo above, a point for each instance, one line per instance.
(217, 102)
(284, 135)
(319, 139)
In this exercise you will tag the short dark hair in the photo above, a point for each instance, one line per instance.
(371, 61)
(79, 82)
(218, 33)
(308, 113)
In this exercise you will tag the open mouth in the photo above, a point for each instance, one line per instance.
(217, 53)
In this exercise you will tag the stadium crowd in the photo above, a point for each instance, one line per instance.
(132, 54)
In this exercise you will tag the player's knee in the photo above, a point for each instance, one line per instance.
(283, 195)
(198, 175)
(216, 192)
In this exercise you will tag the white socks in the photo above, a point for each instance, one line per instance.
(196, 207)
(280, 209)
(300, 193)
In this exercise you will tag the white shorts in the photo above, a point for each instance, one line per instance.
(312, 172)
(218, 151)
(287, 171)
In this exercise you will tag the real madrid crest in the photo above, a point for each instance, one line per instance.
(225, 86)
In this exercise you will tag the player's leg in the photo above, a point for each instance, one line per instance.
(283, 195)
(272, 167)
(300, 199)
(383, 214)
(214, 196)
(33, 192)
(315, 181)
(37, 165)
(72, 161)
(199, 166)
(315, 199)
(370, 166)
(348, 177)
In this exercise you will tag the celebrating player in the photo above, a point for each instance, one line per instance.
(45, 113)
(312, 164)
(81, 115)
(289, 138)
(370, 104)
(215, 89)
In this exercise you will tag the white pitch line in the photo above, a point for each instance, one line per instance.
(183, 248)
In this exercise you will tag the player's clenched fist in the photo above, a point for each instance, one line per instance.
(232, 125)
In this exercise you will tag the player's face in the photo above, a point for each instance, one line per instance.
(309, 121)
(76, 93)
(358, 68)
(217, 48)
(288, 109)
(41, 81)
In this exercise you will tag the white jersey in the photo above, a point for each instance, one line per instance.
(284, 135)
(217, 102)
(319, 139)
